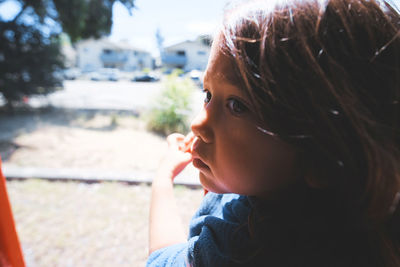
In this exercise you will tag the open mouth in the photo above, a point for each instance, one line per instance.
(199, 164)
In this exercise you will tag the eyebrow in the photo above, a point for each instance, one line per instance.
(232, 80)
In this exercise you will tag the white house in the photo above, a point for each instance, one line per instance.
(187, 55)
(95, 54)
(68, 51)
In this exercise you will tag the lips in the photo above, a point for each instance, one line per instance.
(197, 159)
(199, 164)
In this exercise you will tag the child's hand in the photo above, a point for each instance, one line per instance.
(178, 155)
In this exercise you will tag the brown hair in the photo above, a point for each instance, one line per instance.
(325, 77)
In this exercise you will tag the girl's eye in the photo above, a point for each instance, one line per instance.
(236, 107)
(208, 96)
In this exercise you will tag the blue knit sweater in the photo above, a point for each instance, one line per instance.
(217, 232)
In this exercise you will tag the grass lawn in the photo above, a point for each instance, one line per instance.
(79, 224)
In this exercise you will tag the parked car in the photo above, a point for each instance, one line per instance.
(168, 71)
(71, 74)
(105, 74)
(146, 77)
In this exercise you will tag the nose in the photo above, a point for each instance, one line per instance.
(201, 126)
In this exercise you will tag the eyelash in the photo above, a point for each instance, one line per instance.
(242, 107)
(231, 101)
(208, 96)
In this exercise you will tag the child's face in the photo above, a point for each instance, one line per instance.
(232, 155)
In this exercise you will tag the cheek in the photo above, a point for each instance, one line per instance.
(237, 165)
(260, 165)
(277, 163)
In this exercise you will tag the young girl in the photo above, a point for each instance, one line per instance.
(297, 144)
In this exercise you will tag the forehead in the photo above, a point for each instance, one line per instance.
(221, 67)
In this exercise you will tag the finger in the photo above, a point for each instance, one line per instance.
(189, 137)
(188, 141)
(185, 160)
(175, 139)
(187, 157)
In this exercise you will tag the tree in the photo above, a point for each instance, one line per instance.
(30, 55)
(28, 61)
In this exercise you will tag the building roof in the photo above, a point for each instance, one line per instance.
(121, 45)
(204, 40)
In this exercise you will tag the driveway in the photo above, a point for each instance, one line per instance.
(121, 95)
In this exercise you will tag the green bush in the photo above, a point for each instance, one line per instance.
(171, 109)
(146, 70)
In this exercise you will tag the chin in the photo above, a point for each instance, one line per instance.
(209, 185)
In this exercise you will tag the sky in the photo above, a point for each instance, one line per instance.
(178, 20)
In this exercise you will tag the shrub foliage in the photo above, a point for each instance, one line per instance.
(171, 109)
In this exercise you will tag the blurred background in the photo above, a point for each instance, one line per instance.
(88, 91)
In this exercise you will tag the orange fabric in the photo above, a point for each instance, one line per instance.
(10, 248)
(205, 191)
